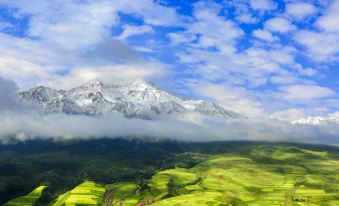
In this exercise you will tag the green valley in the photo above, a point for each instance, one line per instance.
(216, 175)
(27, 200)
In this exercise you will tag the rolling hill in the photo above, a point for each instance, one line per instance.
(202, 174)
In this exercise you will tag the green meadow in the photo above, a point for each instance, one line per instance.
(27, 200)
(268, 176)
(87, 193)
(254, 175)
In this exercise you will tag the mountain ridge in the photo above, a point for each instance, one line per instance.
(135, 99)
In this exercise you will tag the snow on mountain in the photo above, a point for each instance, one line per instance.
(310, 120)
(317, 120)
(137, 99)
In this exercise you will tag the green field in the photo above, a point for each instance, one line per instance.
(268, 176)
(87, 193)
(253, 174)
(125, 192)
(27, 200)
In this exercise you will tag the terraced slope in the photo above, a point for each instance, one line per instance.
(87, 193)
(123, 193)
(27, 200)
(262, 175)
(272, 176)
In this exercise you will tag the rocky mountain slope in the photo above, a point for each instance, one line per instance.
(136, 99)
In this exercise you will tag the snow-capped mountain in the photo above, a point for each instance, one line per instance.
(317, 120)
(137, 99)
(310, 120)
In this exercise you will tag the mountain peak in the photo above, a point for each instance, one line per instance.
(137, 99)
(94, 83)
(140, 84)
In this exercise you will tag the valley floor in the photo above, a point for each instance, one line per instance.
(265, 175)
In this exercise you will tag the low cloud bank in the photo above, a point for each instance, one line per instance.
(186, 128)
(8, 97)
(20, 125)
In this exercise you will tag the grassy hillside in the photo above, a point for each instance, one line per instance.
(279, 175)
(87, 193)
(27, 200)
(200, 174)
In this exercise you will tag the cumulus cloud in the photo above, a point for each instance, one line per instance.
(279, 24)
(4, 25)
(129, 30)
(110, 51)
(66, 35)
(263, 4)
(8, 98)
(234, 98)
(320, 46)
(213, 30)
(300, 10)
(305, 92)
(118, 73)
(246, 18)
(289, 114)
(265, 35)
(329, 20)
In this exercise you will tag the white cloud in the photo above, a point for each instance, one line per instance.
(71, 26)
(8, 97)
(230, 97)
(252, 67)
(279, 24)
(329, 20)
(23, 71)
(289, 114)
(5, 25)
(214, 30)
(129, 30)
(67, 37)
(243, 13)
(321, 46)
(182, 37)
(263, 4)
(300, 10)
(109, 73)
(284, 78)
(184, 128)
(76, 25)
(307, 71)
(152, 12)
(246, 18)
(305, 92)
(265, 35)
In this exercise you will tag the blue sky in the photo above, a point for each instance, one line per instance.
(258, 57)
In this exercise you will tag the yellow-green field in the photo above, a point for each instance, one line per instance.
(122, 192)
(263, 176)
(272, 176)
(27, 200)
(87, 193)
